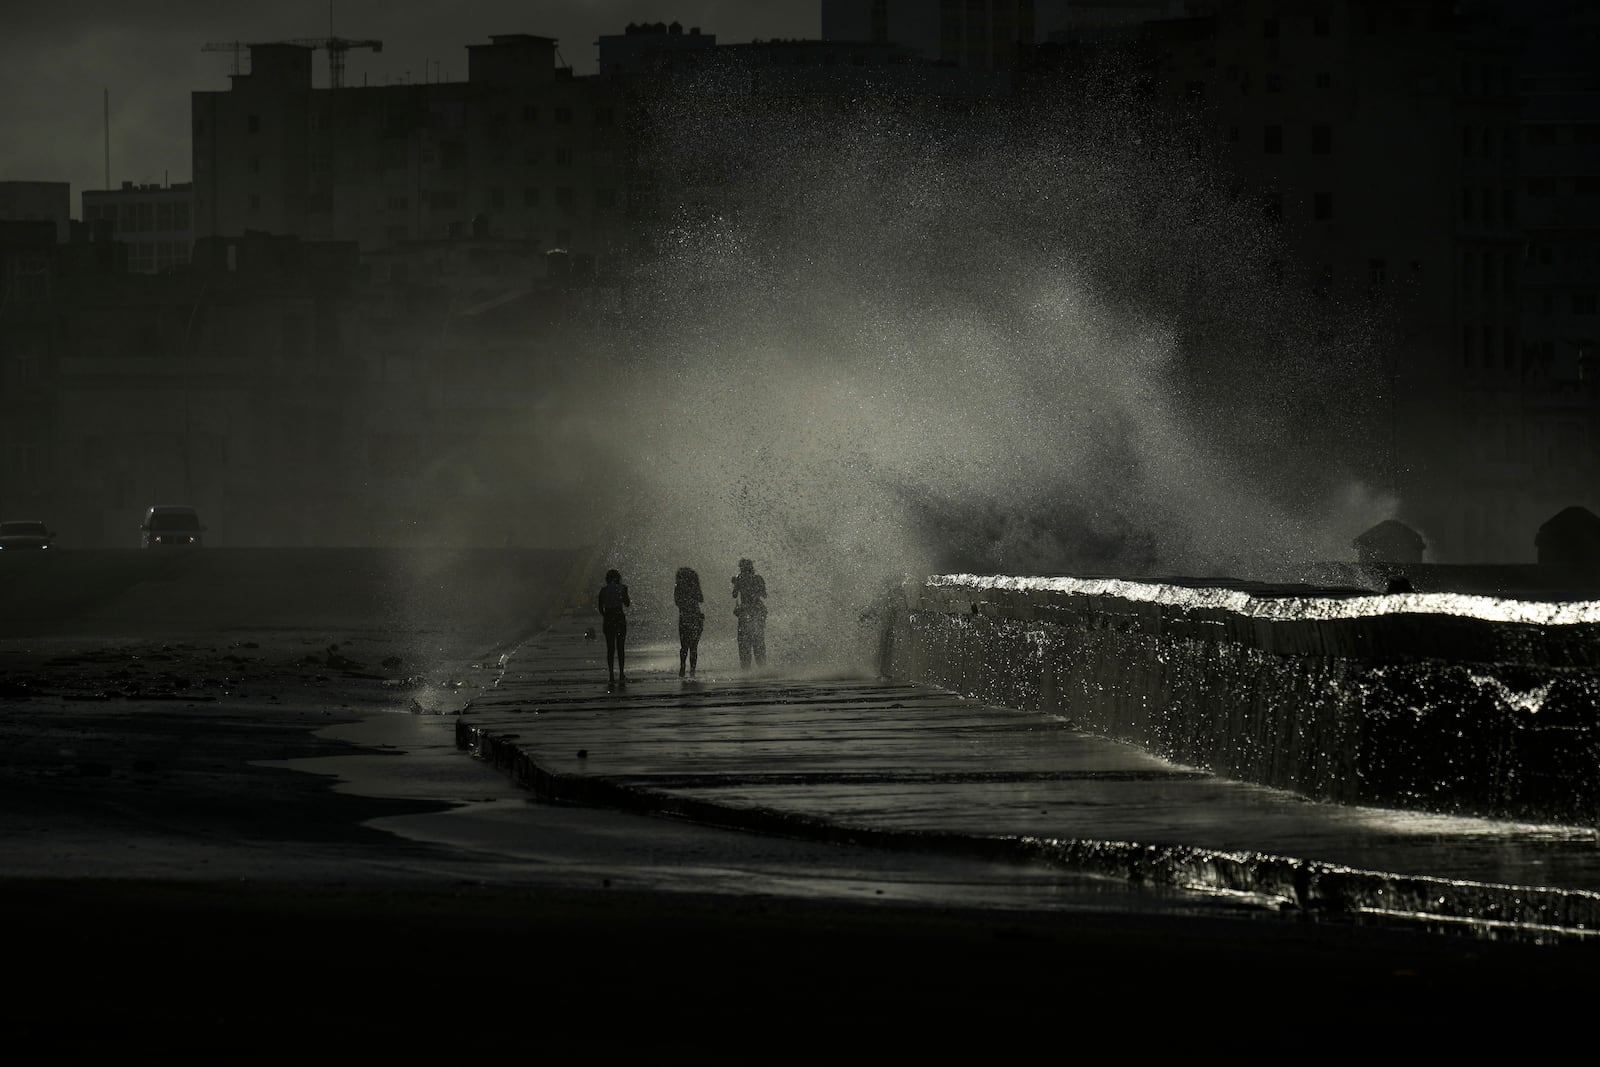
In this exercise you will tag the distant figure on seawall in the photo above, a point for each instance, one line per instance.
(691, 620)
(614, 603)
(750, 609)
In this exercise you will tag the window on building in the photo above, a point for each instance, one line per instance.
(399, 201)
(530, 114)
(563, 157)
(1378, 272)
(1269, 29)
(605, 117)
(1508, 347)
(1466, 205)
(497, 199)
(1324, 80)
(1583, 302)
(1322, 140)
(605, 199)
(563, 116)
(453, 155)
(442, 199)
(1488, 206)
(1272, 140)
(255, 201)
(1322, 205)
(253, 123)
(530, 197)
(1488, 347)
(564, 197)
(1466, 347)
(1319, 25)
(1274, 82)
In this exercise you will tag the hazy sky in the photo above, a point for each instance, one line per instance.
(57, 56)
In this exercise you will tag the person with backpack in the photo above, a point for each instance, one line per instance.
(614, 603)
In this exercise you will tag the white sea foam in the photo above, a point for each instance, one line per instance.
(1486, 608)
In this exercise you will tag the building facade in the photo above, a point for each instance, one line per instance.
(521, 149)
(1383, 142)
(1559, 211)
(154, 221)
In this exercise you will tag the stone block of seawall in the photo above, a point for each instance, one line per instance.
(1411, 708)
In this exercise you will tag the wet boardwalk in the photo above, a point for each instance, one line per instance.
(899, 766)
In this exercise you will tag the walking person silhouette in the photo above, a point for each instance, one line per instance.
(750, 609)
(614, 603)
(691, 620)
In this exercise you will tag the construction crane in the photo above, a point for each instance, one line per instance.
(336, 47)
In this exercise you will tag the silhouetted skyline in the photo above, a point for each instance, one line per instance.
(57, 60)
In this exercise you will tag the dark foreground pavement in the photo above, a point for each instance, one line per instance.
(251, 972)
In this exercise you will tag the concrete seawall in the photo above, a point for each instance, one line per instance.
(1433, 702)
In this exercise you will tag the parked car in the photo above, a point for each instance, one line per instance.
(176, 525)
(24, 535)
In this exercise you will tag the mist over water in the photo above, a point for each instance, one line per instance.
(881, 343)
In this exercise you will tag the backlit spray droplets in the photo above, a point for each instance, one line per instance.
(881, 343)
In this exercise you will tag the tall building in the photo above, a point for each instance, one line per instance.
(1382, 140)
(968, 33)
(154, 221)
(1559, 210)
(521, 149)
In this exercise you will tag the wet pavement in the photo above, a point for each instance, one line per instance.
(864, 761)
